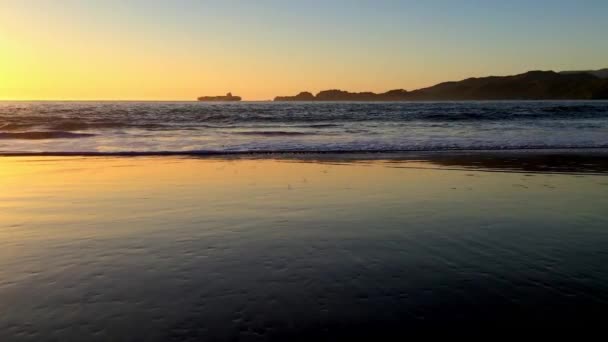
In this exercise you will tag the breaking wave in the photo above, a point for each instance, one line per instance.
(44, 135)
(273, 133)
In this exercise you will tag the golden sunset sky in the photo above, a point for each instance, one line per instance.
(178, 50)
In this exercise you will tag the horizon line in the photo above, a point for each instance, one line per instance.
(195, 99)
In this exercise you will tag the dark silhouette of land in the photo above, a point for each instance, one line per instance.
(228, 97)
(532, 85)
(602, 73)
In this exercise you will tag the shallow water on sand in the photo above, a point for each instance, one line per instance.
(295, 248)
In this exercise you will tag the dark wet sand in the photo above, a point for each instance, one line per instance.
(301, 247)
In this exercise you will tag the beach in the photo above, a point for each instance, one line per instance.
(285, 171)
(300, 246)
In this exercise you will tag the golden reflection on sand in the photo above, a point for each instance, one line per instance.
(174, 235)
(70, 192)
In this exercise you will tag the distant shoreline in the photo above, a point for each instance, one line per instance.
(532, 85)
(303, 102)
(330, 101)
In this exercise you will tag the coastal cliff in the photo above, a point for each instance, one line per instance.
(532, 85)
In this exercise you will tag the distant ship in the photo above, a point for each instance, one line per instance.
(228, 97)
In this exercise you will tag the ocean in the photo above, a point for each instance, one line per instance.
(259, 127)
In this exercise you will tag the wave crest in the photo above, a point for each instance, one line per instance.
(273, 133)
(44, 135)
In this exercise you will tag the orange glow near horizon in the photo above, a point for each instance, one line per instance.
(36, 65)
(137, 50)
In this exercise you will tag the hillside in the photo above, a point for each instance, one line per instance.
(532, 85)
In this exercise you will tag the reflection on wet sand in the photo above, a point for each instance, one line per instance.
(317, 247)
(547, 161)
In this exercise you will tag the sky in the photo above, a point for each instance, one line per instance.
(182, 49)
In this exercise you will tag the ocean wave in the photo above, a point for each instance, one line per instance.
(576, 109)
(15, 126)
(523, 149)
(154, 116)
(41, 135)
(312, 127)
(83, 125)
(326, 125)
(273, 133)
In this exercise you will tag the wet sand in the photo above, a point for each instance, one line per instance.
(300, 247)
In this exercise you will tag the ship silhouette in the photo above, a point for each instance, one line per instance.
(228, 97)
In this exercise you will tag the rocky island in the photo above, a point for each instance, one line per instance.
(229, 97)
(532, 85)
